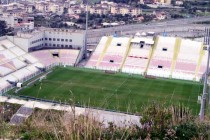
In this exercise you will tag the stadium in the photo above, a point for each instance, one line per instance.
(121, 73)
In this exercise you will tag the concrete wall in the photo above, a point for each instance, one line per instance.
(49, 38)
(21, 42)
(76, 38)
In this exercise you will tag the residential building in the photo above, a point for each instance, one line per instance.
(125, 10)
(98, 10)
(75, 10)
(167, 2)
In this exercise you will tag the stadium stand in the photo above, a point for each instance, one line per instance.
(54, 57)
(161, 61)
(187, 60)
(103, 44)
(45, 57)
(114, 55)
(138, 55)
(167, 57)
(68, 57)
(15, 65)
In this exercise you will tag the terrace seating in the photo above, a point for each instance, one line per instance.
(4, 85)
(17, 51)
(181, 75)
(161, 62)
(45, 57)
(187, 61)
(65, 57)
(170, 57)
(160, 68)
(68, 57)
(166, 42)
(93, 60)
(1, 48)
(28, 58)
(101, 44)
(7, 44)
(137, 59)
(34, 67)
(5, 70)
(193, 45)
(15, 65)
(10, 78)
(114, 55)
(135, 65)
(98, 53)
(6, 55)
(137, 52)
(111, 61)
(22, 74)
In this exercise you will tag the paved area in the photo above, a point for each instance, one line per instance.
(179, 27)
(119, 119)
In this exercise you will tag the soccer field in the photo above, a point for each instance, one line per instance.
(113, 91)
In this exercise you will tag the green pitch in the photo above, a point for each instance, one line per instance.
(113, 91)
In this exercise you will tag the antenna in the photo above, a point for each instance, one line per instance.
(203, 100)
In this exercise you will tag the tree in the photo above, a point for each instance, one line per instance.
(3, 28)
(65, 10)
(176, 121)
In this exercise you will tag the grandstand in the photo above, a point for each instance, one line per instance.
(55, 57)
(17, 65)
(93, 61)
(167, 57)
(138, 55)
(110, 53)
(187, 60)
(161, 61)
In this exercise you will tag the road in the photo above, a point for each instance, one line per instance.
(179, 27)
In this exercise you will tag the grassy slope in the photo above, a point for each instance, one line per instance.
(118, 91)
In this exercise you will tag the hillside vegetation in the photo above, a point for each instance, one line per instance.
(159, 123)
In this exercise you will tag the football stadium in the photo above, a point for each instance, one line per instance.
(121, 73)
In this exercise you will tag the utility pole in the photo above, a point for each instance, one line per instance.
(86, 29)
(207, 43)
(203, 100)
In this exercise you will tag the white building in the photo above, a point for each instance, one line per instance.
(17, 21)
(25, 26)
(44, 6)
(179, 2)
(49, 39)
